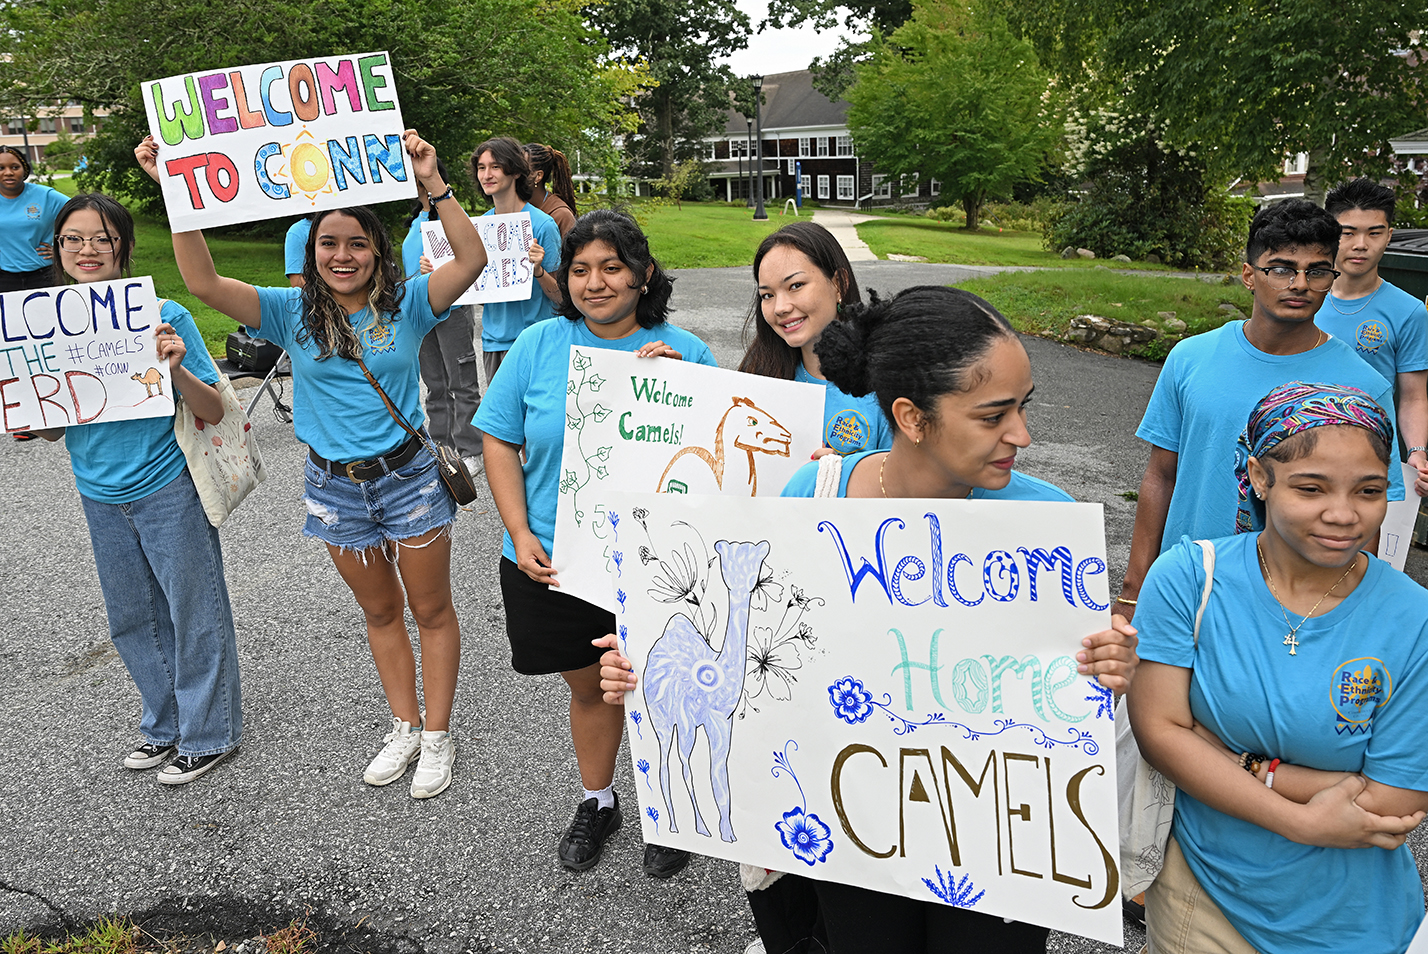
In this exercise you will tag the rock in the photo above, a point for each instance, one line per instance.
(894, 257)
(1121, 258)
(1085, 253)
(1108, 335)
(1165, 315)
(1231, 311)
(1173, 326)
(1068, 252)
(1153, 259)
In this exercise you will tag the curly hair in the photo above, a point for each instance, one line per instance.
(324, 320)
(621, 233)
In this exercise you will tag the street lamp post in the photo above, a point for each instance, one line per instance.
(749, 153)
(759, 214)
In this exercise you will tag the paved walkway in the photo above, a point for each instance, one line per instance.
(841, 224)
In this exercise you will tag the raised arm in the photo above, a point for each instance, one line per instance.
(1151, 511)
(450, 281)
(238, 300)
(1413, 423)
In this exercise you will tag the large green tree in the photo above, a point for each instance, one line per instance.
(953, 95)
(465, 69)
(832, 75)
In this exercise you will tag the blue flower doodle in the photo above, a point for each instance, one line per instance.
(619, 558)
(620, 595)
(644, 766)
(802, 832)
(654, 816)
(1104, 699)
(636, 717)
(624, 635)
(954, 892)
(615, 524)
(850, 700)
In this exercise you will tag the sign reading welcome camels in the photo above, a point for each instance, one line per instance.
(876, 692)
(667, 426)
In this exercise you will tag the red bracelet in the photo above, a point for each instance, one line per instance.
(1269, 777)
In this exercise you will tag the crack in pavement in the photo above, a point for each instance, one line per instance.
(7, 886)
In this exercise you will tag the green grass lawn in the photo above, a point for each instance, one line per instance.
(1043, 303)
(705, 234)
(944, 242)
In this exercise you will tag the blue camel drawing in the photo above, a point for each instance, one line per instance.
(689, 686)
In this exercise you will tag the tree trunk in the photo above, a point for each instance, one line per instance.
(664, 121)
(972, 205)
(1314, 185)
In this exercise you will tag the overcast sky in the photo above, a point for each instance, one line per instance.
(779, 51)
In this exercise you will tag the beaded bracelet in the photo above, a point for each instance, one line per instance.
(445, 195)
(1269, 778)
(1250, 762)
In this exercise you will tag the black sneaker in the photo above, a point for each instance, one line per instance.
(584, 839)
(147, 755)
(662, 862)
(186, 768)
(1134, 908)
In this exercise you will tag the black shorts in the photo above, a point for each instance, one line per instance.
(549, 631)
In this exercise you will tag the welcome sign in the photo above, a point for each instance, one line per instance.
(876, 692)
(508, 275)
(278, 139)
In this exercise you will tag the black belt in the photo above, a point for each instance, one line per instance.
(360, 470)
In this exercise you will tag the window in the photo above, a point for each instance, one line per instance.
(16, 127)
(845, 188)
(803, 146)
(934, 186)
(806, 184)
(845, 145)
(792, 163)
(709, 150)
(1297, 165)
(76, 124)
(882, 187)
(47, 125)
(822, 145)
(908, 184)
(822, 187)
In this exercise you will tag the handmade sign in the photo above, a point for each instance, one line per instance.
(77, 354)
(876, 692)
(508, 275)
(272, 139)
(1397, 531)
(670, 426)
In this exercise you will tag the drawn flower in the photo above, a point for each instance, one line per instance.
(802, 601)
(951, 891)
(654, 816)
(614, 520)
(805, 633)
(647, 555)
(644, 766)
(620, 595)
(852, 703)
(681, 576)
(641, 514)
(619, 559)
(1104, 699)
(637, 717)
(765, 590)
(805, 836)
(772, 663)
(624, 633)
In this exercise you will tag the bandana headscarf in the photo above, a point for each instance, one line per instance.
(1292, 409)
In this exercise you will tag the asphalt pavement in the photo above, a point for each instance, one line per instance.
(287, 825)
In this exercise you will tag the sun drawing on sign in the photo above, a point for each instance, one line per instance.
(305, 167)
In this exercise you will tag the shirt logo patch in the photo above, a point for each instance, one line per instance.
(33, 212)
(381, 338)
(1370, 336)
(1357, 690)
(848, 432)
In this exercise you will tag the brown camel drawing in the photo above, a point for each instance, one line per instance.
(752, 430)
(150, 379)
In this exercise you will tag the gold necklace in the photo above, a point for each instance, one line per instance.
(1289, 640)
(884, 489)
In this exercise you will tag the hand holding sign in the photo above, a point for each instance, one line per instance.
(512, 254)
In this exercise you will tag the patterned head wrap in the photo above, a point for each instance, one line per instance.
(1292, 409)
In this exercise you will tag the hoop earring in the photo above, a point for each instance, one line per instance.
(644, 288)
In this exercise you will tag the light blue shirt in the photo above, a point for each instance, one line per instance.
(1390, 331)
(412, 248)
(118, 462)
(525, 404)
(1352, 699)
(1202, 402)
(1020, 487)
(503, 321)
(850, 424)
(336, 411)
(295, 246)
(26, 222)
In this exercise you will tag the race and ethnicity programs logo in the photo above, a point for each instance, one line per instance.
(1370, 336)
(381, 337)
(849, 432)
(1358, 689)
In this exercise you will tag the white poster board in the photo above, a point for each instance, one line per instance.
(81, 354)
(508, 275)
(876, 692)
(658, 424)
(1395, 536)
(271, 139)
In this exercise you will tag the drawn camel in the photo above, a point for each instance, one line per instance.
(754, 431)
(696, 687)
(150, 379)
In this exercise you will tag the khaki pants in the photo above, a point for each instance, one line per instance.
(1180, 918)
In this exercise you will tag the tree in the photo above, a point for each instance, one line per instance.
(465, 69)
(684, 183)
(952, 94)
(1248, 82)
(833, 76)
(674, 40)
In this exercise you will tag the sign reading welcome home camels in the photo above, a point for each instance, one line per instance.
(876, 692)
(667, 426)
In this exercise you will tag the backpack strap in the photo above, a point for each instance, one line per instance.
(1207, 556)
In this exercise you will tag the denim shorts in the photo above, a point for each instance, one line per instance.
(406, 503)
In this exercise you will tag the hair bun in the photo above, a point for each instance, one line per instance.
(843, 347)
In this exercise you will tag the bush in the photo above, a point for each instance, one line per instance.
(1004, 216)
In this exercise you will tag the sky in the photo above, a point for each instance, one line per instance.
(778, 51)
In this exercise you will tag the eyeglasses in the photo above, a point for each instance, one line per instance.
(73, 243)
(1280, 277)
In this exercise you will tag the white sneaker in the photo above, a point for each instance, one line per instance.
(402, 745)
(433, 771)
(756, 946)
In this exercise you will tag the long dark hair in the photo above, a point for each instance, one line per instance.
(555, 171)
(508, 154)
(621, 233)
(768, 354)
(919, 344)
(323, 319)
(118, 225)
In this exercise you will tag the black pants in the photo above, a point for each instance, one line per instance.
(19, 281)
(860, 920)
(788, 917)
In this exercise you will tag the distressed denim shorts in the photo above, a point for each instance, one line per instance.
(407, 502)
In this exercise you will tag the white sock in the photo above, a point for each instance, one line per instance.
(605, 798)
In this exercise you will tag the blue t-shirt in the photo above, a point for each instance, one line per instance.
(850, 424)
(1202, 402)
(118, 462)
(503, 321)
(1020, 487)
(336, 411)
(1352, 699)
(28, 221)
(1390, 332)
(525, 404)
(412, 249)
(295, 246)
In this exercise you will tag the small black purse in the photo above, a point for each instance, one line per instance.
(449, 466)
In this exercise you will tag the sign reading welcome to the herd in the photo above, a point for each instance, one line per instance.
(78, 354)
(272, 139)
(876, 692)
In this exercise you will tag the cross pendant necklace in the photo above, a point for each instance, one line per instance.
(1289, 639)
(1291, 642)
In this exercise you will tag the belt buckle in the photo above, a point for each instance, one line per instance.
(352, 476)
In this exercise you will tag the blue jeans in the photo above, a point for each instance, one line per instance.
(161, 572)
